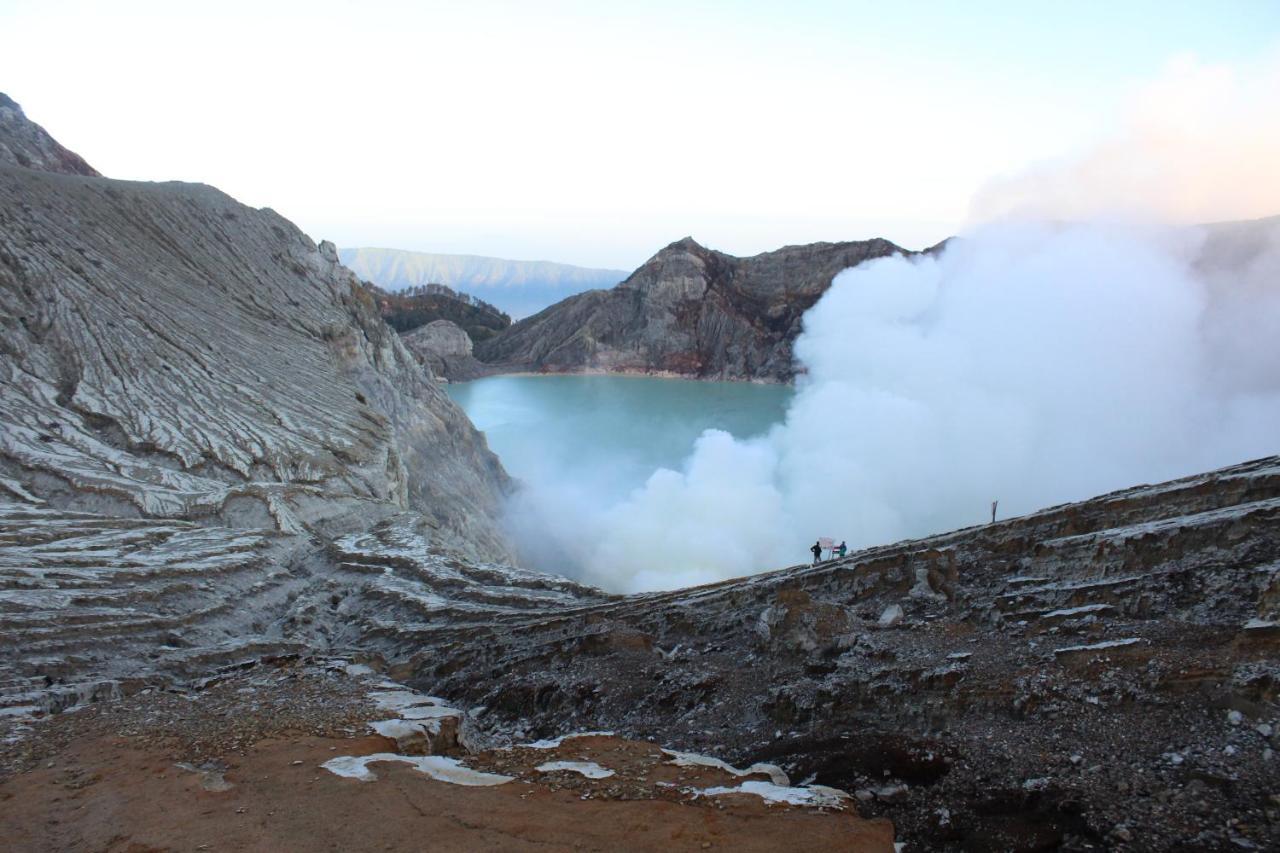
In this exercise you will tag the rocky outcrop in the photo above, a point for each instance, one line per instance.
(689, 311)
(166, 352)
(195, 399)
(444, 348)
(27, 144)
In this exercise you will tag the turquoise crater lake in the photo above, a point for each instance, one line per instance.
(605, 435)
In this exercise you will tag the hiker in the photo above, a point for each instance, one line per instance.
(843, 549)
(817, 552)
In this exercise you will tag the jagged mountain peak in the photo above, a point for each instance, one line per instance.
(25, 143)
(689, 311)
(687, 244)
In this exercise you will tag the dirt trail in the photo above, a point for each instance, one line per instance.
(218, 771)
(108, 795)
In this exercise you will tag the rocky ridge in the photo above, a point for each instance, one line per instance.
(415, 307)
(169, 353)
(688, 311)
(1100, 674)
(196, 399)
(1096, 675)
(25, 143)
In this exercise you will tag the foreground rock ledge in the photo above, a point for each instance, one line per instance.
(1098, 674)
(239, 766)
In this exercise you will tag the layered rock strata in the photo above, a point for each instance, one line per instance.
(25, 143)
(214, 452)
(195, 400)
(166, 352)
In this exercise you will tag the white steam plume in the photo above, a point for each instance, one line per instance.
(1196, 145)
(1029, 362)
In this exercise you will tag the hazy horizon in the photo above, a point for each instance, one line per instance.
(593, 136)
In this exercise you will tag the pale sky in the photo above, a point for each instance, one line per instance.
(595, 133)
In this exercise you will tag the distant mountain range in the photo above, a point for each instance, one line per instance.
(519, 288)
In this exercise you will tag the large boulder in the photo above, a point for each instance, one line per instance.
(444, 348)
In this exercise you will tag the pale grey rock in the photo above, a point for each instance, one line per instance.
(444, 348)
(445, 338)
(195, 398)
(168, 353)
(891, 616)
(214, 453)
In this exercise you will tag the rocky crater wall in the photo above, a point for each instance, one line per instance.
(688, 311)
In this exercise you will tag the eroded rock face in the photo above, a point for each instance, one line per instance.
(27, 144)
(214, 452)
(689, 311)
(194, 400)
(166, 352)
(444, 348)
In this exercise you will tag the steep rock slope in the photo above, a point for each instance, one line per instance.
(169, 353)
(214, 452)
(1088, 675)
(25, 143)
(689, 311)
(194, 400)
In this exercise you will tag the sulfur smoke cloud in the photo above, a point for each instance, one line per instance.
(1198, 144)
(1052, 354)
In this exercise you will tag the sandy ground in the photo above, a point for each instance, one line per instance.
(124, 777)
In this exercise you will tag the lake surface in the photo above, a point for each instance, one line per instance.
(608, 434)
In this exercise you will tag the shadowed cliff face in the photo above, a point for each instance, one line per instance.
(25, 143)
(690, 311)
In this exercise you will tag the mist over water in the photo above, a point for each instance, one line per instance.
(1082, 337)
(581, 445)
(1029, 362)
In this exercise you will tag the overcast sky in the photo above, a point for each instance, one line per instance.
(594, 133)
